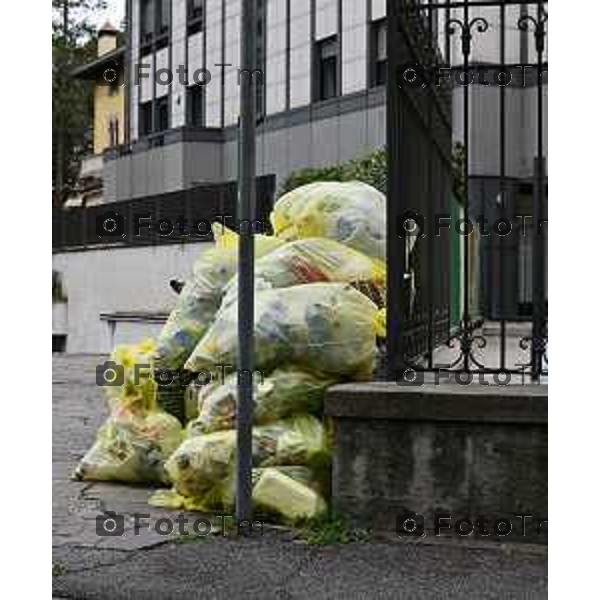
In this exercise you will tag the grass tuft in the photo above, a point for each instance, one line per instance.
(327, 529)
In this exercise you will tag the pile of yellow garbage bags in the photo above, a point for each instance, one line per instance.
(320, 289)
(138, 437)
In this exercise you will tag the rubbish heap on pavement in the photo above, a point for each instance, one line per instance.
(320, 288)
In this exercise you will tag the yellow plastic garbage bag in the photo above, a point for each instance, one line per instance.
(128, 377)
(131, 448)
(201, 297)
(381, 323)
(138, 436)
(323, 327)
(312, 260)
(285, 392)
(291, 491)
(303, 500)
(202, 466)
(277, 492)
(353, 213)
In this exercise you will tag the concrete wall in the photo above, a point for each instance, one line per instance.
(469, 451)
(168, 168)
(314, 143)
(310, 138)
(127, 280)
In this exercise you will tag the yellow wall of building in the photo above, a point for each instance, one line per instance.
(107, 106)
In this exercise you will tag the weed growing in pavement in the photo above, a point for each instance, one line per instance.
(329, 528)
(58, 569)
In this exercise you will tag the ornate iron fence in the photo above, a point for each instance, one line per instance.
(467, 197)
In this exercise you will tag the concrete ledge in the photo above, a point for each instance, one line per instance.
(471, 452)
(448, 402)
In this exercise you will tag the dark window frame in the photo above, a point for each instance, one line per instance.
(378, 65)
(196, 106)
(146, 31)
(158, 36)
(196, 10)
(113, 132)
(162, 104)
(327, 84)
(145, 118)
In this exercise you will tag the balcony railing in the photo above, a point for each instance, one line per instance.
(80, 227)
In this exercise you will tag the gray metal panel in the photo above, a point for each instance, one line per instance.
(203, 162)
(299, 146)
(109, 181)
(353, 135)
(325, 142)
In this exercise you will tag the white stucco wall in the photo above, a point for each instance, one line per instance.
(119, 280)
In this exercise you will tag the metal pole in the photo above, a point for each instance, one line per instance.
(539, 266)
(466, 51)
(246, 206)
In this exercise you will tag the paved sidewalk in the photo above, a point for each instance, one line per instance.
(277, 565)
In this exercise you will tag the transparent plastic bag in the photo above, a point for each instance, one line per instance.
(353, 213)
(135, 362)
(131, 448)
(138, 436)
(322, 327)
(285, 392)
(312, 260)
(202, 466)
(201, 297)
(291, 491)
(280, 493)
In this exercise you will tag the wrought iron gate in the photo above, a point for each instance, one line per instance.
(468, 187)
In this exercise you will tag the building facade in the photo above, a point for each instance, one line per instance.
(321, 102)
(109, 123)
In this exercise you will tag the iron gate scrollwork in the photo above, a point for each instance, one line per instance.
(464, 295)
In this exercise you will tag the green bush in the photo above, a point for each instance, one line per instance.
(371, 169)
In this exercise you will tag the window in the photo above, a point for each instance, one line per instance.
(113, 131)
(155, 24)
(145, 126)
(147, 23)
(162, 114)
(327, 84)
(195, 106)
(59, 343)
(195, 16)
(163, 20)
(379, 61)
(160, 110)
